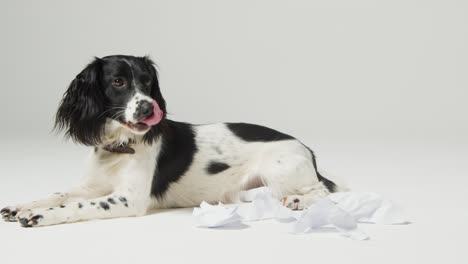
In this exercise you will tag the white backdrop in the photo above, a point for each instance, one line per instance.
(346, 69)
(378, 89)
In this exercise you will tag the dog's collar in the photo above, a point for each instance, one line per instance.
(121, 148)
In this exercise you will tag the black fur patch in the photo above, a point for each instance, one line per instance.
(80, 205)
(331, 186)
(80, 112)
(92, 203)
(111, 201)
(104, 205)
(253, 133)
(62, 206)
(216, 167)
(123, 200)
(177, 151)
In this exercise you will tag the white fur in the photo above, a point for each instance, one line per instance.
(133, 104)
(285, 166)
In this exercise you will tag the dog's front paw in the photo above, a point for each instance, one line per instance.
(29, 218)
(9, 213)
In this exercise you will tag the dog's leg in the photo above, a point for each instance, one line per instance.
(79, 193)
(129, 196)
(94, 184)
(118, 204)
(291, 175)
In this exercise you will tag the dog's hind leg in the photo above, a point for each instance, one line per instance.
(290, 173)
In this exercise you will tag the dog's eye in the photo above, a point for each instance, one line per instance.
(147, 82)
(118, 82)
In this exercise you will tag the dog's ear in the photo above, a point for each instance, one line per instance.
(80, 111)
(155, 90)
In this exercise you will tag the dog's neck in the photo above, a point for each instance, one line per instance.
(118, 140)
(122, 148)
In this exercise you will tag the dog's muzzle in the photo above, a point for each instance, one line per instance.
(147, 114)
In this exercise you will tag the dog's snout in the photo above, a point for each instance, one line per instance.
(144, 110)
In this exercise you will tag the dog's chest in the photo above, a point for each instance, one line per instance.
(117, 169)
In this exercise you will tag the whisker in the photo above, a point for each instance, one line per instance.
(118, 114)
(113, 108)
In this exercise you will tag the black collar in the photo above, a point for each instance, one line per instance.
(122, 148)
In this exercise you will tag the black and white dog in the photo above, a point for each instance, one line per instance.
(141, 160)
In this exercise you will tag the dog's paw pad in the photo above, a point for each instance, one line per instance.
(9, 214)
(293, 202)
(30, 221)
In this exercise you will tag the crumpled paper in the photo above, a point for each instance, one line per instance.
(208, 215)
(264, 205)
(341, 211)
(326, 213)
(369, 208)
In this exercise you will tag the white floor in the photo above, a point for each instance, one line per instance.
(428, 178)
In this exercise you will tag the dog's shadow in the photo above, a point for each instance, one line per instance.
(188, 212)
(171, 210)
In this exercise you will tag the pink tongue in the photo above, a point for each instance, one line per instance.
(155, 118)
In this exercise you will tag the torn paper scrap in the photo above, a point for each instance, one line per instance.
(326, 213)
(340, 211)
(264, 205)
(369, 207)
(216, 215)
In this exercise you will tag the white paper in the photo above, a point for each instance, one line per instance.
(369, 208)
(215, 215)
(325, 213)
(341, 211)
(264, 205)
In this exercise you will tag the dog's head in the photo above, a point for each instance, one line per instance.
(118, 89)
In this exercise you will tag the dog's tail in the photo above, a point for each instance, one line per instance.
(334, 185)
(331, 183)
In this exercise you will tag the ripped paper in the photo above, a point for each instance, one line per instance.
(209, 215)
(339, 211)
(326, 213)
(369, 208)
(264, 205)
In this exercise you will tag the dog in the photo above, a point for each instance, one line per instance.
(140, 160)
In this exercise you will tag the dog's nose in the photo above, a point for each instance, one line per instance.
(145, 109)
